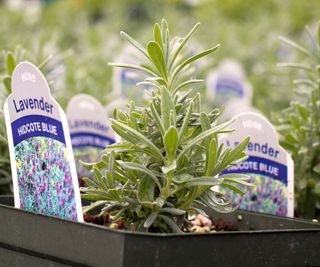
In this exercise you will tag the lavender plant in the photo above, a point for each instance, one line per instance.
(170, 156)
(299, 126)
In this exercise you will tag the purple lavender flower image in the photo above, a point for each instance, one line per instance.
(44, 178)
(270, 196)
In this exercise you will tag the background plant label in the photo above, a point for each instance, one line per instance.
(89, 130)
(269, 165)
(125, 80)
(43, 169)
(228, 83)
(235, 107)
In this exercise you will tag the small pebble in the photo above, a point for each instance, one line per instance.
(199, 229)
(204, 220)
(113, 226)
(196, 222)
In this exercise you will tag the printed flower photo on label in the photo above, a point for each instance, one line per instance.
(270, 196)
(44, 178)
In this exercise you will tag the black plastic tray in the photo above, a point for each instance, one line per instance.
(28, 239)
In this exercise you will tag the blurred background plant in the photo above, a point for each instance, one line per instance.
(299, 124)
(87, 30)
(81, 36)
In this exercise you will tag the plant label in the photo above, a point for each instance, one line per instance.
(235, 107)
(89, 130)
(125, 80)
(268, 164)
(43, 169)
(193, 49)
(228, 83)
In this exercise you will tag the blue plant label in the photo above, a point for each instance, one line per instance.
(43, 168)
(89, 129)
(228, 83)
(268, 164)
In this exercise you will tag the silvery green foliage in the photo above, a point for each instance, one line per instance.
(299, 126)
(170, 155)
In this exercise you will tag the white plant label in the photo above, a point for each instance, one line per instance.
(269, 165)
(43, 168)
(228, 83)
(89, 129)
